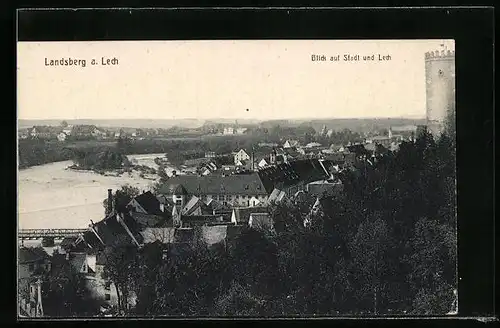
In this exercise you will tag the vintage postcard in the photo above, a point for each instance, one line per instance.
(244, 178)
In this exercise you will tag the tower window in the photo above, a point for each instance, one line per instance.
(440, 72)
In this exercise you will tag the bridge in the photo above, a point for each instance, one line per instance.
(49, 233)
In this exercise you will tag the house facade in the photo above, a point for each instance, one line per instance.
(262, 163)
(61, 137)
(33, 262)
(232, 190)
(240, 156)
(44, 132)
(228, 130)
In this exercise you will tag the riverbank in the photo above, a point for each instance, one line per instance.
(50, 196)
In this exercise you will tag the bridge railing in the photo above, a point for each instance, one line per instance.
(49, 232)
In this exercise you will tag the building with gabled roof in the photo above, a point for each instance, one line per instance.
(32, 261)
(277, 196)
(241, 156)
(290, 144)
(145, 203)
(231, 190)
(241, 215)
(295, 175)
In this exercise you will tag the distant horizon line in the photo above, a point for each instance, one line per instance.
(225, 118)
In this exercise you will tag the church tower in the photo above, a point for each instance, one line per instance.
(440, 87)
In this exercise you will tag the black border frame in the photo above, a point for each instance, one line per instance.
(472, 29)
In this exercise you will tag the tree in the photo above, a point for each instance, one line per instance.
(65, 293)
(187, 282)
(369, 261)
(238, 301)
(121, 269)
(64, 124)
(124, 145)
(433, 264)
(150, 260)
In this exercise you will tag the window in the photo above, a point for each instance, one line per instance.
(31, 267)
(107, 297)
(107, 286)
(178, 201)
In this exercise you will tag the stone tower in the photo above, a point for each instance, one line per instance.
(440, 87)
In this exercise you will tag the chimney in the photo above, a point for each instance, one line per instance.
(110, 201)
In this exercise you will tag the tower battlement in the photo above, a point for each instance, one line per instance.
(440, 54)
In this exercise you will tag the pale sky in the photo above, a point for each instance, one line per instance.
(273, 79)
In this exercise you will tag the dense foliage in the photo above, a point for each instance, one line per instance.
(65, 293)
(39, 151)
(386, 245)
(99, 159)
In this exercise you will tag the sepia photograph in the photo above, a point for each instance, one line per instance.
(236, 179)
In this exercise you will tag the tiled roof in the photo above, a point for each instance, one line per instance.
(32, 254)
(67, 242)
(110, 229)
(292, 173)
(242, 214)
(149, 202)
(133, 226)
(91, 239)
(214, 205)
(192, 205)
(277, 195)
(248, 184)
